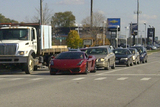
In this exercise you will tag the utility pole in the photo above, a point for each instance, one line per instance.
(41, 13)
(137, 12)
(91, 18)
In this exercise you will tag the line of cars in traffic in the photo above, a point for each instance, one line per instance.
(90, 59)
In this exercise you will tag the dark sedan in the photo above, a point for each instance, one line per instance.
(143, 53)
(123, 57)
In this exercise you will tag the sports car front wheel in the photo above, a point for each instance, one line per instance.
(86, 70)
(94, 71)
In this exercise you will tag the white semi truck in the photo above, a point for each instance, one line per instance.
(26, 46)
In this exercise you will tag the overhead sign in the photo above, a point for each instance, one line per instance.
(133, 28)
(113, 24)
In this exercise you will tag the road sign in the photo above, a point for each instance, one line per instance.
(113, 23)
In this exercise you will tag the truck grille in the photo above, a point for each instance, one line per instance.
(8, 49)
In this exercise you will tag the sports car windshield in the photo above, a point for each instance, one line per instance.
(70, 55)
(96, 51)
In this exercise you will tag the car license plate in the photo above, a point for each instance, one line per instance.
(117, 61)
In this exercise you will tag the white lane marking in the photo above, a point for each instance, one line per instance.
(78, 78)
(1, 78)
(145, 79)
(126, 68)
(122, 78)
(36, 79)
(132, 74)
(102, 78)
(16, 79)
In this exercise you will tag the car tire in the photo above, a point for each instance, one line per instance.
(131, 63)
(108, 66)
(86, 70)
(128, 63)
(143, 61)
(135, 62)
(113, 66)
(52, 72)
(146, 60)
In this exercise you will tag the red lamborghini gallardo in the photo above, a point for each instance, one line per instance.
(72, 62)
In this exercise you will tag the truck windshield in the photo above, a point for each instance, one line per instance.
(14, 34)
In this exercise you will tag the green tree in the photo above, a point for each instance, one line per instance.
(73, 40)
(63, 19)
(3, 19)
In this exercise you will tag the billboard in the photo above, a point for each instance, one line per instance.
(113, 23)
(133, 28)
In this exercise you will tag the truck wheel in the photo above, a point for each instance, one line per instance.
(29, 66)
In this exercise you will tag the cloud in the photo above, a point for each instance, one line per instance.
(70, 2)
(101, 12)
(145, 17)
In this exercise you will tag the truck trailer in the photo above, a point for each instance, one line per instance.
(27, 46)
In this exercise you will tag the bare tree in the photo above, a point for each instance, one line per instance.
(98, 18)
(47, 15)
(97, 26)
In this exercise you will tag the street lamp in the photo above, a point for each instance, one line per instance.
(78, 25)
(117, 35)
(145, 34)
(104, 30)
(126, 35)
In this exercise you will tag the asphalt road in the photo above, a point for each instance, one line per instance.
(135, 86)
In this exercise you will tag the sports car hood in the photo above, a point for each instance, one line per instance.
(66, 63)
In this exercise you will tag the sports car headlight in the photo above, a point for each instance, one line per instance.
(80, 62)
(22, 52)
(124, 58)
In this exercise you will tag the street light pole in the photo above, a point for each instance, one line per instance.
(126, 35)
(137, 19)
(117, 36)
(104, 30)
(41, 13)
(145, 35)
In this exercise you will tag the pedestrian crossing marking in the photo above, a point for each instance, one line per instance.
(37, 79)
(122, 78)
(16, 79)
(102, 78)
(79, 78)
(145, 79)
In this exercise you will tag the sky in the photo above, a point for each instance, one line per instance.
(21, 10)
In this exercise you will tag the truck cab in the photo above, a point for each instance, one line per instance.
(16, 45)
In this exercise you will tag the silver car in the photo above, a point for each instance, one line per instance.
(104, 55)
(136, 56)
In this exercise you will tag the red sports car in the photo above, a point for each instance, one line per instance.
(72, 62)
